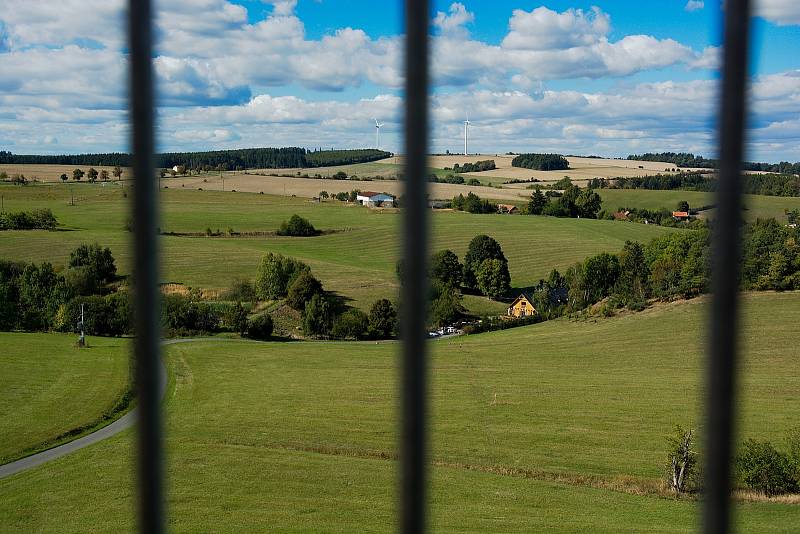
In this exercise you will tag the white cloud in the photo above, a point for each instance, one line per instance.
(453, 22)
(694, 5)
(544, 29)
(781, 12)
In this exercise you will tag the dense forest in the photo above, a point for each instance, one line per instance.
(779, 185)
(541, 162)
(686, 159)
(246, 158)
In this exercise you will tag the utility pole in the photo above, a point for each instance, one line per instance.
(81, 339)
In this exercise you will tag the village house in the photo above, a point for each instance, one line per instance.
(373, 200)
(522, 306)
(507, 208)
(681, 215)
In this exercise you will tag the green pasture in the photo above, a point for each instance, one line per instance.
(530, 428)
(357, 260)
(48, 388)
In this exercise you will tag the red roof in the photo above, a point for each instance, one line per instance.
(680, 213)
(368, 194)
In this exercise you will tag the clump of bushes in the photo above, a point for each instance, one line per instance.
(763, 468)
(297, 226)
(42, 219)
(275, 274)
(478, 166)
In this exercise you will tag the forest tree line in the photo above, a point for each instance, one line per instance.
(779, 185)
(687, 159)
(245, 158)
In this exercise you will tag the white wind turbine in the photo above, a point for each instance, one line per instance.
(378, 134)
(466, 130)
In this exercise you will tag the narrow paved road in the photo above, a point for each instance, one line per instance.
(126, 421)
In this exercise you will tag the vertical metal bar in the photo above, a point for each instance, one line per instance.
(414, 291)
(145, 272)
(722, 365)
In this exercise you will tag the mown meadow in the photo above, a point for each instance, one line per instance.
(559, 426)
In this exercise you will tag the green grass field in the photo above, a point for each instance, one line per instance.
(358, 261)
(757, 205)
(530, 428)
(48, 387)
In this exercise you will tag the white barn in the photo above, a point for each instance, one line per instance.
(372, 199)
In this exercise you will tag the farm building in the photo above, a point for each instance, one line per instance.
(507, 208)
(680, 215)
(373, 200)
(522, 306)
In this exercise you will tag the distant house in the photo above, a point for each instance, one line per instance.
(175, 168)
(522, 306)
(374, 200)
(507, 208)
(681, 215)
(621, 215)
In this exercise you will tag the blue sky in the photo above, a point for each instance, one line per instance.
(609, 78)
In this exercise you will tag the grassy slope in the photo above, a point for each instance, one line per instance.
(48, 387)
(357, 262)
(757, 205)
(294, 436)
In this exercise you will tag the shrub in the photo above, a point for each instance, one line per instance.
(241, 290)
(297, 227)
(302, 289)
(260, 327)
(352, 324)
(275, 273)
(382, 319)
(235, 318)
(763, 468)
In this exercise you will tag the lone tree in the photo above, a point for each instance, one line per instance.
(683, 205)
(64, 177)
(681, 460)
(324, 194)
(537, 202)
(77, 174)
(117, 172)
(92, 174)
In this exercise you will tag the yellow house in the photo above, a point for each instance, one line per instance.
(521, 307)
